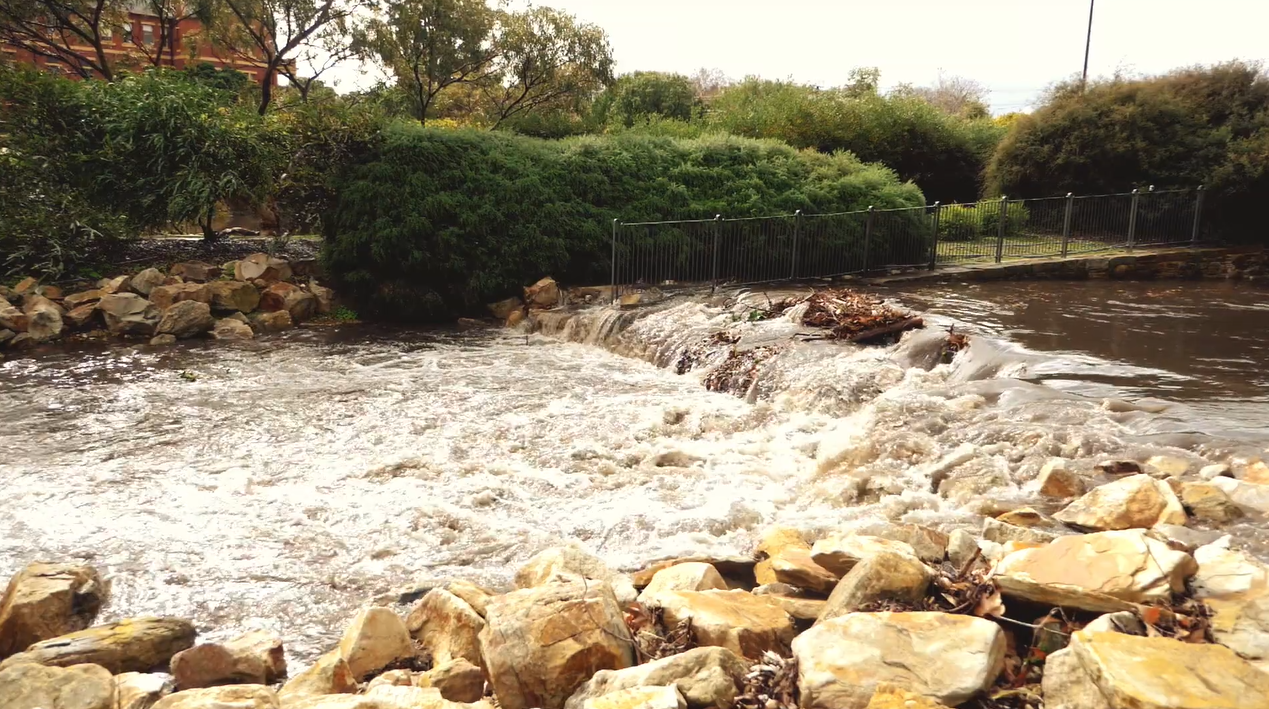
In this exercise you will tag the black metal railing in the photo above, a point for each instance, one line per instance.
(797, 246)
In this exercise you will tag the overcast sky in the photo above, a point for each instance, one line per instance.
(1014, 47)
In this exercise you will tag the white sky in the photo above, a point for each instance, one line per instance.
(1014, 47)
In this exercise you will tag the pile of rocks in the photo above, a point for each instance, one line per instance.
(258, 293)
(1107, 604)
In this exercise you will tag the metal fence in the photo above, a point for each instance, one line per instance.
(796, 246)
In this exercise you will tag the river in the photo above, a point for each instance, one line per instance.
(283, 483)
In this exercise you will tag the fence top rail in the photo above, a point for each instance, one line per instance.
(669, 222)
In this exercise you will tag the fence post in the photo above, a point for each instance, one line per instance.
(934, 247)
(613, 293)
(1066, 223)
(797, 233)
(718, 228)
(1000, 229)
(1132, 219)
(1198, 212)
(868, 235)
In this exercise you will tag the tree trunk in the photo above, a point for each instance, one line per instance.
(266, 88)
(209, 234)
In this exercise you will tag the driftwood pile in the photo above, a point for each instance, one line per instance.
(850, 316)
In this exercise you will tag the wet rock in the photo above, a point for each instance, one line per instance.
(948, 658)
(186, 319)
(291, 298)
(30, 686)
(961, 547)
(542, 643)
(231, 329)
(137, 690)
(1001, 533)
(162, 340)
(882, 576)
(638, 698)
(840, 553)
(504, 308)
(1210, 503)
(515, 318)
(254, 658)
(1138, 501)
(688, 576)
(543, 294)
(889, 696)
(329, 675)
(12, 318)
(473, 594)
(746, 624)
(1256, 471)
(242, 696)
(1236, 587)
(447, 627)
(1217, 470)
(275, 321)
(233, 296)
(132, 645)
(129, 314)
(1022, 517)
(374, 639)
(82, 317)
(1103, 573)
(1150, 673)
(1166, 466)
(88, 297)
(564, 562)
(705, 676)
(45, 601)
(260, 266)
(167, 296)
(196, 271)
(145, 282)
(1249, 496)
(971, 481)
(44, 323)
(797, 568)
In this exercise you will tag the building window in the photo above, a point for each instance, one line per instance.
(108, 33)
(147, 34)
(127, 32)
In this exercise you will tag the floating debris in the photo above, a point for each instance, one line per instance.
(849, 316)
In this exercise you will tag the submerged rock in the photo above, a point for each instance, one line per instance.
(45, 601)
(746, 624)
(1135, 502)
(132, 645)
(705, 676)
(29, 686)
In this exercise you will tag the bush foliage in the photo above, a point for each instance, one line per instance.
(443, 221)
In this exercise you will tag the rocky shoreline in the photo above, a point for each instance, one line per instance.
(1120, 600)
(234, 301)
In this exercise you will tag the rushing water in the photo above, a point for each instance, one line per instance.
(285, 482)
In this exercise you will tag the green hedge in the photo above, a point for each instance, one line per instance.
(439, 222)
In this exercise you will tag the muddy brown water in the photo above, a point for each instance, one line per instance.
(285, 482)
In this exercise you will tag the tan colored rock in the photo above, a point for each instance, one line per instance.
(26, 285)
(746, 624)
(254, 658)
(138, 690)
(1208, 502)
(447, 627)
(1236, 587)
(1151, 673)
(29, 686)
(930, 545)
(775, 540)
(840, 553)
(129, 314)
(515, 318)
(132, 645)
(235, 296)
(1167, 466)
(1001, 532)
(705, 676)
(639, 698)
(542, 643)
(34, 301)
(961, 547)
(231, 329)
(118, 284)
(186, 319)
(688, 576)
(473, 594)
(196, 271)
(1256, 471)
(458, 680)
(275, 321)
(145, 282)
(44, 601)
(167, 296)
(1102, 573)
(739, 568)
(797, 568)
(374, 639)
(391, 697)
(88, 297)
(291, 298)
(1022, 517)
(1216, 470)
(6, 335)
(884, 576)
(889, 696)
(504, 308)
(82, 317)
(543, 294)
(948, 658)
(240, 696)
(800, 609)
(1134, 502)
(12, 318)
(162, 340)
(44, 321)
(261, 266)
(561, 562)
(1249, 496)
(329, 675)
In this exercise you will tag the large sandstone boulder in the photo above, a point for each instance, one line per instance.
(241, 696)
(167, 296)
(28, 686)
(1249, 496)
(1058, 480)
(374, 639)
(1134, 502)
(233, 296)
(275, 321)
(1102, 573)
(231, 329)
(329, 675)
(746, 624)
(543, 294)
(138, 690)
(447, 627)
(132, 645)
(473, 594)
(195, 271)
(254, 658)
(542, 643)
(12, 317)
(840, 552)
(82, 317)
(688, 576)
(325, 297)
(1210, 503)
(129, 314)
(1236, 587)
(565, 562)
(456, 680)
(1117, 671)
(949, 658)
(88, 297)
(44, 601)
(775, 541)
(796, 567)
(504, 308)
(705, 676)
(639, 698)
(145, 281)
(930, 545)
(186, 319)
(261, 266)
(301, 304)
(882, 576)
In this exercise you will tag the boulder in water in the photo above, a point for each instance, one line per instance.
(375, 639)
(233, 296)
(254, 658)
(145, 282)
(447, 627)
(186, 319)
(45, 601)
(1135, 502)
(129, 314)
(232, 329)
(31, 686)
(132, 645)
(543, 294)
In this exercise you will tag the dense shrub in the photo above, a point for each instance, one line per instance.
(643, 94)
(442, 221)
(967, 222)
(1195, 126)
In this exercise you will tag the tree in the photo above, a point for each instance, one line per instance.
(431, 45)
(327, 50)
(544, 57)
(708, 83)
(168, 15)
(647, 93)
(954, 95)
(72, 32)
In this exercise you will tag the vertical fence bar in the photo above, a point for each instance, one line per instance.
(613, 292)
(718, 228)
(1132, 219)
(934, 247)
(1000, 229)
(868, 235)
(1198, 213)
(1066, 223)
(797, 233)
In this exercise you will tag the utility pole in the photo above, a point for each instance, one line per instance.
(1088, 44)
